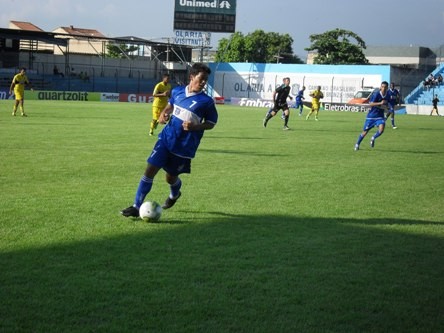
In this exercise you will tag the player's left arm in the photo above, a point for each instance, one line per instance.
(28, 83)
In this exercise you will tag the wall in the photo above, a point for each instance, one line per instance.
(258, 81)
(94, 65)
(422, 109)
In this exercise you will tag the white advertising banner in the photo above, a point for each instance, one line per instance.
(338, 88)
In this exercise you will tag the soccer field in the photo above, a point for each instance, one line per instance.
(276, 231)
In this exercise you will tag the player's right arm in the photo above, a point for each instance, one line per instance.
(381, 104)
(11, 88)
(166, 112)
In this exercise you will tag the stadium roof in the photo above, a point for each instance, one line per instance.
(47, 37)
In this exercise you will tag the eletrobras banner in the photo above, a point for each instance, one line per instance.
(325, 106)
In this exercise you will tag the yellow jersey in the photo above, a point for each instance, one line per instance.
(19, 81)
(161, 102)
(316, 96)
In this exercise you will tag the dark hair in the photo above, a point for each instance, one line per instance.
(166, 75)
(384, 82)
(199, 67)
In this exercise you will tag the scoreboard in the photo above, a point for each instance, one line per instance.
(200, 15)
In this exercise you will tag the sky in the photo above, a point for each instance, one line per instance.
(377, 22)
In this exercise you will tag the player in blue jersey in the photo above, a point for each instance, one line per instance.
(393, 100)
(299, 100)
(375, 117)
(189, 113)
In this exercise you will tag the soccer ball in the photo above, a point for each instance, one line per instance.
(150, 211)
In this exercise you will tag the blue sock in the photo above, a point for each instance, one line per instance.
(143, 189)
(175, 188)
(360, 139)
(376, 135)
(393, 122)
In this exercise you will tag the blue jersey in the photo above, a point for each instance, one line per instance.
(393, 97)
(376, 111)
(194, 107)
(300, 96)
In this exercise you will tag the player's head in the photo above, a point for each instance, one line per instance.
(166, 77)
(199, 76)
(23, 70)
(384, 86)
(303, 87)
(319, 87)
(286, 80)
(392, 85)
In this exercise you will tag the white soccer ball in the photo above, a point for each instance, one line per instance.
(150, 211)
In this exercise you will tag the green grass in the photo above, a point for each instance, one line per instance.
(276, 231)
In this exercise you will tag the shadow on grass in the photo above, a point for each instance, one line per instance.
(420, 152)
(236, 152)
(233, 273)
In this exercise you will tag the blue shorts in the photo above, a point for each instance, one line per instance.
(172, 164)
(298, 104)
(372, 122)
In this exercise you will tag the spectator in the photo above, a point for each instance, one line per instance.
(431, 80)
(439, 79)
(84, 76)
(56, 72)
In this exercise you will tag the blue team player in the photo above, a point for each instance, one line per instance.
(189, 113)
(393, 100)
(299, 100)
(375, 117)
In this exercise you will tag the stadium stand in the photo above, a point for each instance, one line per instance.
(424, 94)
(94, 84)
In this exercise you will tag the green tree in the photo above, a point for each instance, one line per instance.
(231, 49)
(120, 50)
(335, 47)
(257, 47)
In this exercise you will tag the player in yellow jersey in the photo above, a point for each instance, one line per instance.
(18, 86)
(316, 96)
(161, 94)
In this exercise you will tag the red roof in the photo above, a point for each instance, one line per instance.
(23, 26)
(82, 32)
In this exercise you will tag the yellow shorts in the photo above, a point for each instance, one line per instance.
(19, 94)
(156, 112)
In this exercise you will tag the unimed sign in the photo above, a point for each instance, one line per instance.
(201, 15)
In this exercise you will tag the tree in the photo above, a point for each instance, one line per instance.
(232, 49)
(334, 47)
(120, 50)
(257, 47)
